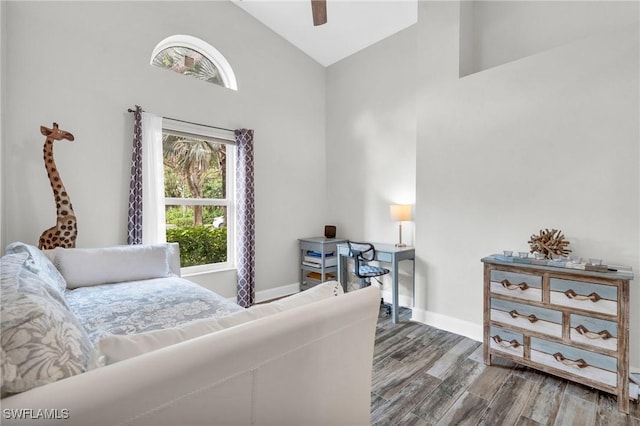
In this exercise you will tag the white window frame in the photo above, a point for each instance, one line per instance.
(206, 50)
(181, 128)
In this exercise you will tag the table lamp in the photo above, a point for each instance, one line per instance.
(400, 213)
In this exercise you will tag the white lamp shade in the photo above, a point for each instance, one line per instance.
(400, 212)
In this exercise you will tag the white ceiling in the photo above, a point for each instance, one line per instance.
(351, 25)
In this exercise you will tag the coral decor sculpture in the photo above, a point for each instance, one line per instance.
(65, 231)
(549, 243)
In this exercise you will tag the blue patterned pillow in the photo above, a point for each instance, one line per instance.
(39, 264)
(12, 264)
(41, 341)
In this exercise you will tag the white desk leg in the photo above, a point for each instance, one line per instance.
(394, 290)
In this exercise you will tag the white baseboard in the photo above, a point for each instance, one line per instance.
(277, 292)
(403, 300)
(444, 322)
(273, 293)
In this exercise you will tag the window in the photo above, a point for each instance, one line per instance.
(194, 57)
(199, 194)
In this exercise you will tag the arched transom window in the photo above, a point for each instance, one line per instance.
(192, 56)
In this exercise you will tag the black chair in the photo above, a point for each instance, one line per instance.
(362, 254)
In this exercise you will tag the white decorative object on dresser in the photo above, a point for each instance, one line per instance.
(570, 323)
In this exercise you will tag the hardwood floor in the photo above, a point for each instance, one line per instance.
(425, 376)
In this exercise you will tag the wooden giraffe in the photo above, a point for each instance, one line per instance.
(65, 231)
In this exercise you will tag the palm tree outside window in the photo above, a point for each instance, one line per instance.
(188, 62)
(194, 57)
(199, 197)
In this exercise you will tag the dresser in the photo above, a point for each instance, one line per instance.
(567, 322)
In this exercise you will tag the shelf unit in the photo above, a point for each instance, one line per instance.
(570, 323)
(318, 260)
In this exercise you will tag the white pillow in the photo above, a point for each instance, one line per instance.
(114, 348)
(87, 267)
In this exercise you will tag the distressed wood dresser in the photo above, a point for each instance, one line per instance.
(567, 322)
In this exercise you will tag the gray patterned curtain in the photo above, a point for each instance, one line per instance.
(134, 235)
(245, 217)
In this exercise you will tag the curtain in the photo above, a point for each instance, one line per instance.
(153, 220)
(134, 232)
(146, 186)
(245, 217)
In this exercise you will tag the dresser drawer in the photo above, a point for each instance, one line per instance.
(533, 318)
(594, 332)
(589, 365)
(506, 341)
(522, 286)
(584, 295)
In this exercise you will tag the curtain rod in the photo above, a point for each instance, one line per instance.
(189, 122)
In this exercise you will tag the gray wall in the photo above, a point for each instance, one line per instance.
(82, 64)
(500, 32)
(545, 137)
(371, 142)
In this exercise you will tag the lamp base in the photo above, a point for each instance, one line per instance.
(399, 243)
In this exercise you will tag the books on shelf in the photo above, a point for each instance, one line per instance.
(332, 261)
(312, 264)
(318, 276)
(312, 253)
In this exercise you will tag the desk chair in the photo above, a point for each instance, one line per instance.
(362, 254)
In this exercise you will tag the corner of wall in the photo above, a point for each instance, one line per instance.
(466, 62)
(448, 323)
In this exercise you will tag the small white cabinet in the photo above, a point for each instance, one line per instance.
(318, 260)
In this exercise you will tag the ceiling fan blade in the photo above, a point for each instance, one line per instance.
(319, 9)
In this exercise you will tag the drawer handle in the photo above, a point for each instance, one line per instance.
(580, 363)
(604, 334)
(594, 297)
(510, 286)
(532, 318)
(512, 344)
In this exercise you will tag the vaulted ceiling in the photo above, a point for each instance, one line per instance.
(351, 25)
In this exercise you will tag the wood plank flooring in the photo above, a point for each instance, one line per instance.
(425, 376)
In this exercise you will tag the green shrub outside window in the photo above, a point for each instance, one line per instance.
(200, 245)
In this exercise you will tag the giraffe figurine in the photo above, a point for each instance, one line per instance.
(65, 231)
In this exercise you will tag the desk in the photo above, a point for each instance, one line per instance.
(386, 253)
